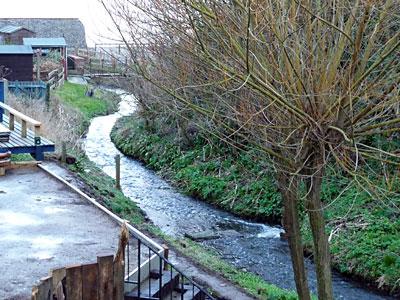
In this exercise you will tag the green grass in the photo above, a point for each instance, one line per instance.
(102, 188)
(21, 157)
(74, 95)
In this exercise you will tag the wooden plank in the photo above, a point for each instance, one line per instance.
(90, 277)
(105, 277)
(45, 288)
(74, 283)
(23, 133)
(11, 122)
(37, 130)
(118, 282)
(58, 275)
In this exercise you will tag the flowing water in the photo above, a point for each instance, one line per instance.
(255, 247)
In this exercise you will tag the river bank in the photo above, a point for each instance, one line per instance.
(366, 248)
(102, 187)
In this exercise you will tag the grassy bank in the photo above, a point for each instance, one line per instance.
(364, 232)
(74, 96)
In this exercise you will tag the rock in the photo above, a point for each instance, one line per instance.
(202, 235)
(230, 233)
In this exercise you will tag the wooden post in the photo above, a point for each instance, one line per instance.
(118, 171)
(39, 53)
(11, 122)
(106, 277)
(63, 152)
(23, 133)
(166, 254)
(90, 278)
(74, 283)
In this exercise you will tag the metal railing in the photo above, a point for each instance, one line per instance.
(155, 277)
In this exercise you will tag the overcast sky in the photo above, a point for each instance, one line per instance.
(90, 12)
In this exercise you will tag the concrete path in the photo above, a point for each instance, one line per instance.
(44, 225)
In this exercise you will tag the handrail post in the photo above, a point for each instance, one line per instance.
(23, 131)
(11, 122)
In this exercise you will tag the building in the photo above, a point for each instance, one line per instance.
(47, 44)
(71, 29)
(16, 62)
(14, 34)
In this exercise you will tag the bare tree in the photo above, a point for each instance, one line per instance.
(303, 82)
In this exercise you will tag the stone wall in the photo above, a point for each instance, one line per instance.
(71, 29)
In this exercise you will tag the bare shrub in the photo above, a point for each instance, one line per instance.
(59, 121)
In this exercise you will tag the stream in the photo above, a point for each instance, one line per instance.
(251, 246)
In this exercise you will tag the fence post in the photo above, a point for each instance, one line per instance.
(47, 97)
(64, 152)
(3, 92)
(118, 171)
(39, 53)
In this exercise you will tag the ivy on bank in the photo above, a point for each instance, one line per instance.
(206, 172)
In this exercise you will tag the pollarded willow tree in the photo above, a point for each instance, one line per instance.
(306, 83)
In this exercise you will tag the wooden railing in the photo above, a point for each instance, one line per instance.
(24, 121)
(56, 78)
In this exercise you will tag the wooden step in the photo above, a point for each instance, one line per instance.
(169, 283)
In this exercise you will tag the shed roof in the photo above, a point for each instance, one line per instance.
(10, 29)
(45, 42)
(15, 49)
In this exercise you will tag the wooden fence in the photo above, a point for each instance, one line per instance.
(103, 280)
(98, 281)
(38, 89)
(56, 78)
(104, 60)
(31, 89)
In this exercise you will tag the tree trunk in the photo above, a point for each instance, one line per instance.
(288, 189)
(320, 238)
